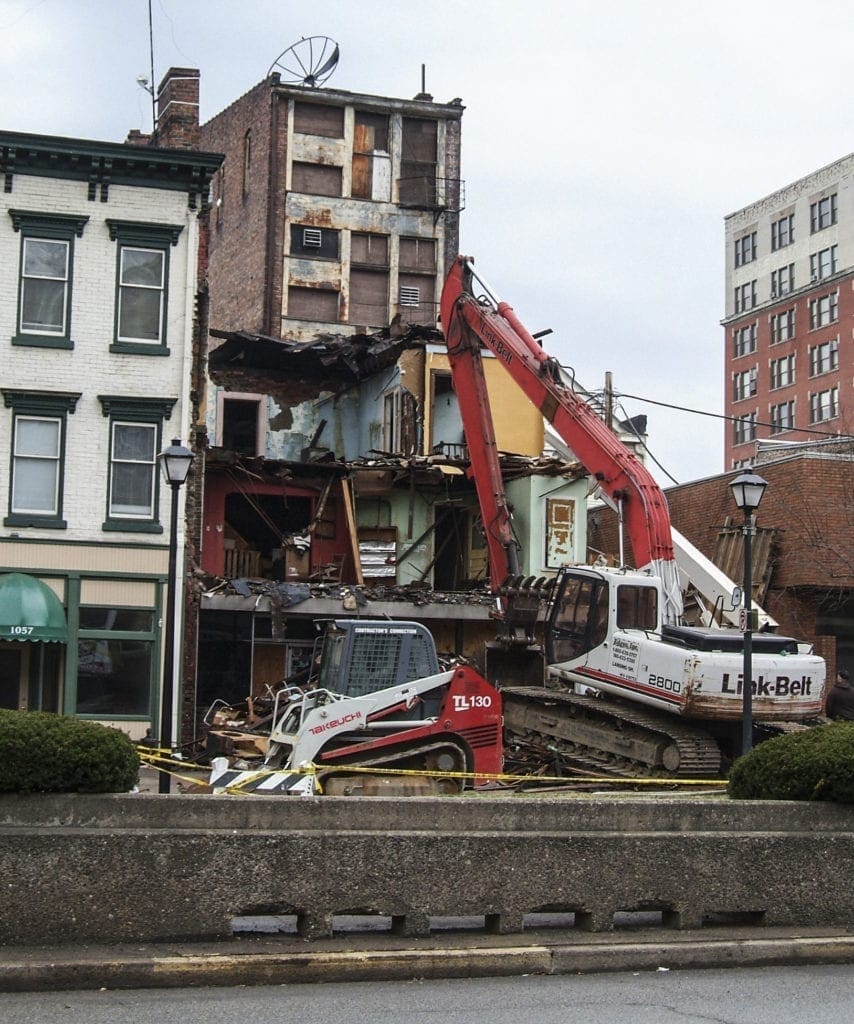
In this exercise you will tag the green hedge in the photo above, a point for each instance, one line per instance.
(817, 764)
(44, 753)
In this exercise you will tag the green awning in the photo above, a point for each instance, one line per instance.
(29, 610)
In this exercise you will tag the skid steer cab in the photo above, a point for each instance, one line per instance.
(379, 718)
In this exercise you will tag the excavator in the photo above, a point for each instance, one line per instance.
(627, 687)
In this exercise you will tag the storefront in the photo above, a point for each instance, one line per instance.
(33, 638)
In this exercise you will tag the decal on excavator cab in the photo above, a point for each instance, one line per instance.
(782, 686)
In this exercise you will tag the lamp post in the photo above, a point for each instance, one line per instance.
(175, 462)
(747, 490)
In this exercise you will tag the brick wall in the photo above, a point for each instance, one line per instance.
(238, 263)
(178, 109)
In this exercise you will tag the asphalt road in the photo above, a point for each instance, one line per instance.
(778, 995)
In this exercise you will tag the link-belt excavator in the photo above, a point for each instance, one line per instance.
(628, 687)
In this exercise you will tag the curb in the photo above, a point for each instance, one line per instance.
(33, 971)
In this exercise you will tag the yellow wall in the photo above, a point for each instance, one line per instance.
(518, 424)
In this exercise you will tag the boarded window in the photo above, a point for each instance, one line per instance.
(316, 179)
(417, 254)
(371, 157)
(418, 162)
(369, 298)
(313, 304)
(369, 249)
(314, 242)
(319, 119)
(416, 298)
(560, 532)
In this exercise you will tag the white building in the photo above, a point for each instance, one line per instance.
(98, 264)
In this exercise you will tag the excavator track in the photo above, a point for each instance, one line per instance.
(601, 735)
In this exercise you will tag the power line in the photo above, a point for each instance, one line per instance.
(732, 419)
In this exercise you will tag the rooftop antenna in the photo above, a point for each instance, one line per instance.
(147, 81)
(309, 62)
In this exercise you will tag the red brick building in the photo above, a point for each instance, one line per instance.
(808, 506)
(789, 363)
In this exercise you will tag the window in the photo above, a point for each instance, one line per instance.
(38, 453)
(316, 179)
(824, 311)
(824, 405)
(637, 608)
(115, 661)
(823, 213)
(247, 161)
(319, 119)
(135, 430)
(823, 263)
(319, 304)
(782, 326)
(744, 429)
(142, 285)
(240, 423)
(418, 254)
(133, 448)
(744, 384)
(314, 243)
(369, 249)
(744, 340)
(782, 281)
(745, 249)
(783, 232)
(399, 422)
(371, 177)
(824, 358)
(44, 300)
(418, 162)
(782, 417)
(782, 372)
(745, 296)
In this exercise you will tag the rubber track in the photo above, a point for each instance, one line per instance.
(699, 754)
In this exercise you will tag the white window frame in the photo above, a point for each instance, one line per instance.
(160, 289)
(823, 263)
(824, 357)
(824, 310)
(744, 340)
(782, 326)
(782, 281)
(782, 416)
(744, 384)
(782, 372)
(18, 458)
(745, 249)
(60, 330)
(744, 428)
(783, 232)
(113, 511)
(824, 405)
(822, 213)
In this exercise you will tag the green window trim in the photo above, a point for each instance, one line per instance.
(147, 411)
(56, 227)
(39, 404)
(154, 238)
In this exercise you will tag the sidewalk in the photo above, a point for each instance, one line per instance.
(375, 957)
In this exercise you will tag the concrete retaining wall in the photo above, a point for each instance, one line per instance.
(147, 868)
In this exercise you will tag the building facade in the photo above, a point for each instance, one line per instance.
(789, 322)
(98, 262)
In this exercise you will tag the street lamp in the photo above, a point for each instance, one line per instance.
(175, 462)
(747, 490)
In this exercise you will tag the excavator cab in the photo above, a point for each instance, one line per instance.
(579, 616)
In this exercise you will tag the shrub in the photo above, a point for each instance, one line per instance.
(817, 764)
(44, 753)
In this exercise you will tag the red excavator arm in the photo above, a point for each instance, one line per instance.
(469, 320)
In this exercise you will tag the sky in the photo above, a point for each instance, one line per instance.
(603, 145)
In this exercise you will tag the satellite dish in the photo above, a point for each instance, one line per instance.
(309, 62)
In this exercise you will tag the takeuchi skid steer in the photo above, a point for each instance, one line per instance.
(379, 700)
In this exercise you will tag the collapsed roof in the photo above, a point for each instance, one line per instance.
(300, 371)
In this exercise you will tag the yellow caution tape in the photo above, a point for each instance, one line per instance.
(154, 758)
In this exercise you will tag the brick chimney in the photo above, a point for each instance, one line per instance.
(178, 109)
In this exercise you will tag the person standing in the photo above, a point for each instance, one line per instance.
(840, 700)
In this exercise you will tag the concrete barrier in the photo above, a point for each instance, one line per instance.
(150, 868)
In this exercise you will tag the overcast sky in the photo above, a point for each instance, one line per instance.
(603, 144)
